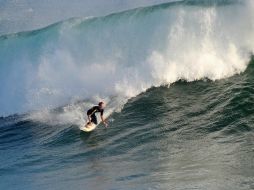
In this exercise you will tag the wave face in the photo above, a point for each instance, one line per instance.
(195, 135)
(124, 54)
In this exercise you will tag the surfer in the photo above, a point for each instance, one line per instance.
(95, 109)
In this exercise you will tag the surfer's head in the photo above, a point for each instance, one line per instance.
(102, 105)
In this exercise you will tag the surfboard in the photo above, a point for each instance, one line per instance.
(88, 127)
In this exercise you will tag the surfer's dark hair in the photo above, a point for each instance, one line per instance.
(100, 103)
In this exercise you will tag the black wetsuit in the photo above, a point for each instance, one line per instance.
(92, 112)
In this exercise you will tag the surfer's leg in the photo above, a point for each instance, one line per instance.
(94, 119)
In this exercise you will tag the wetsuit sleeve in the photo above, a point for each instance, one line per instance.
(102, 112)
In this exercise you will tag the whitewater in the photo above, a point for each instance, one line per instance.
(124, 54)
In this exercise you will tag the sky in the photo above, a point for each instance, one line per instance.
(23, 15)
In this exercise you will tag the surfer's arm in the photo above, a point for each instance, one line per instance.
(104, 121)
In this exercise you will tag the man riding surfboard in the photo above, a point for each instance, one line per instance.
(97, 109)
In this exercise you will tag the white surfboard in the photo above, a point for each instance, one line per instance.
(88, 127)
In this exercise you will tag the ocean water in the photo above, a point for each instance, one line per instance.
(178, 79)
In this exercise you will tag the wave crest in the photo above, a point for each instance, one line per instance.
(123, 54)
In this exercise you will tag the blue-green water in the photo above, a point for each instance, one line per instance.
(178, 79)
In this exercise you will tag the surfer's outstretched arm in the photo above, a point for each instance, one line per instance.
(104, 121)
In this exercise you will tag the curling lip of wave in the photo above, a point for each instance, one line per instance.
(148, 8)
